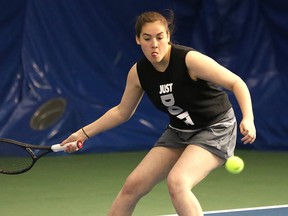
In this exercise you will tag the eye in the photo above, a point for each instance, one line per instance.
(160, 37)
(146, 38)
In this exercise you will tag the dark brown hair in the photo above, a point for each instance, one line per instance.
(152, 16)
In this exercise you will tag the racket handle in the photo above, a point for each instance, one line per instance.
(56, 148)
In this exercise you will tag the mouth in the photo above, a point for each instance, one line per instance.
(154, 54)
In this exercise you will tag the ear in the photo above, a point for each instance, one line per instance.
(137, 40)
(168, 36)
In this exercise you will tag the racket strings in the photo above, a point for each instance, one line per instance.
(14, 159)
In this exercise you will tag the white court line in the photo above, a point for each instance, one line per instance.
(240, 209)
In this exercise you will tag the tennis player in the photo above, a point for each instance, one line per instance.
(201, 133)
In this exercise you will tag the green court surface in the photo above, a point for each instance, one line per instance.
(84, 185)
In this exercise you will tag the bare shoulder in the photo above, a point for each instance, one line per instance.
(195, 58)
(201, 66)
(133, 70)
(195, 63)
(133, 76)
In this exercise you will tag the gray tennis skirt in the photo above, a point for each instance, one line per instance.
(218, 138)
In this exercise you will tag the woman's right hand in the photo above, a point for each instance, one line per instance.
(76, 136)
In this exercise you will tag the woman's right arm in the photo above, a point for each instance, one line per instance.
(116, 115)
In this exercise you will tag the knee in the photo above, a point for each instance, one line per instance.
(175, 185)
(178, 185)
(135, 186)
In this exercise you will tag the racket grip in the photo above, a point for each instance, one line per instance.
(56, 148)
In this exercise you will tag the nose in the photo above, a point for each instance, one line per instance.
(154, 43)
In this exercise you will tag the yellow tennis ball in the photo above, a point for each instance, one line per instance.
(234, 165)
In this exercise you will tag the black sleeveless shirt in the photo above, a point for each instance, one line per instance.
(190, 104)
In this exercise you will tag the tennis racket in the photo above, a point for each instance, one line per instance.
(19, 157)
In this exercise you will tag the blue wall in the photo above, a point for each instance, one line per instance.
(82, 50)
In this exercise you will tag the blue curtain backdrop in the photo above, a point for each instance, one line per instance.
(82, 50)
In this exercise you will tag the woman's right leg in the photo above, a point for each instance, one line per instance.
(151, 170)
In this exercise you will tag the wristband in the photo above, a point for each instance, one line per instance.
(85, 133)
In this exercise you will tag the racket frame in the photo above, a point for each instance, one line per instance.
(28, 147)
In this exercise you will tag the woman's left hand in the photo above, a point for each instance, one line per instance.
(247, 129)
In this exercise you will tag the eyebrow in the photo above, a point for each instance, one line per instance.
(146, 34)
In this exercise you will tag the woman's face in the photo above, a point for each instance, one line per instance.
(154, 41)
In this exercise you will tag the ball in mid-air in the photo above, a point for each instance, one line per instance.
(234, 165)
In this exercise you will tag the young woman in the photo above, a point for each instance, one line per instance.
(201, 134)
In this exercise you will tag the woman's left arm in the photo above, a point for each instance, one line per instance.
(205, 68)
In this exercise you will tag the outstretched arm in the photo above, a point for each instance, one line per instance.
(116, 115)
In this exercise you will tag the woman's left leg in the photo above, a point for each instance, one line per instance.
(152, 169)
(193, 166)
